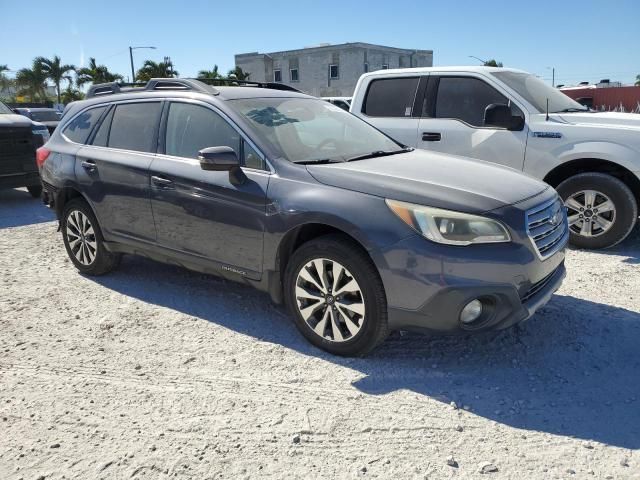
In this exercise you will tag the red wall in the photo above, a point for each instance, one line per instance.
(610, 97)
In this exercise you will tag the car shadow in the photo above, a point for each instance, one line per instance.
(572, 370)
(18, 208)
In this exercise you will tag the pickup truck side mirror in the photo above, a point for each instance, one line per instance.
(499, 115)
(222, 159)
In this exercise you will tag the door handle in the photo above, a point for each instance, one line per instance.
(89, 165)
(161, 181)
(431, 136)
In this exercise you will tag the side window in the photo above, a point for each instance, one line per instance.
(190, 128)
(392, 97)
(251, 158)
(102, 135)
(79, 128)
(134, 125)
(465, 98)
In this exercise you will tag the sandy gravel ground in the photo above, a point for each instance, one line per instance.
(157, 372)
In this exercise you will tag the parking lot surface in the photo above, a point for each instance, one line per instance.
(157, 372)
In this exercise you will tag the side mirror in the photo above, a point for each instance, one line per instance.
(499, 115)
(221, 159)
(218, 159)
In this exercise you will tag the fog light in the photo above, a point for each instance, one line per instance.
(471, 312)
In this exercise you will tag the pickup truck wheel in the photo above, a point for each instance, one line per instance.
(601, 209)
(336, 297)
(35, 190)
(83, 240)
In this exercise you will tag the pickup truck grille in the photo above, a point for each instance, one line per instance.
(547, 227)
(17, 151)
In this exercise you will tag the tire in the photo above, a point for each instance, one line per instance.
(609, 227)
(35, 190)
(356, 318)
(79, 226)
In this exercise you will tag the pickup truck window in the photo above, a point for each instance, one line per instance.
(466, 98)
(390, 97)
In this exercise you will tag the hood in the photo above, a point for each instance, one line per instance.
(7, 120)
(630, 120)
(432, 179)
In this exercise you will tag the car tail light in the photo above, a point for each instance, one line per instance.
(41, 156)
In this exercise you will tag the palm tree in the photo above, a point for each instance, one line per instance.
(5, 82)
(211, 74)
(151, 69)
(95, 73)
(238, 74)
(32, 82)
(55, 71)
(637, 80)
(492, 63)
(71, 94)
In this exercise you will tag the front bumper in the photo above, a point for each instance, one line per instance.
(428, 288)
(441, 314)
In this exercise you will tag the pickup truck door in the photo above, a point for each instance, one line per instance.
(452, 121)
(389, 106)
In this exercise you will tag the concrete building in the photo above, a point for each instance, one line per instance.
(329, 70)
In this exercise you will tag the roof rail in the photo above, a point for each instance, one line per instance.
(153, 84)
(247, 83)
(203, 85)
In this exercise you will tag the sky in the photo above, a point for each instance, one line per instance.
(583, 40)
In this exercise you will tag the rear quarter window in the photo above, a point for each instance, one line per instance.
(78, 129)
(390, 97)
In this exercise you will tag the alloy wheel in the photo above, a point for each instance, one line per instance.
(81, 237)
(330, 300)
(590, 213)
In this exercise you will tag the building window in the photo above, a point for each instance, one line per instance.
(366, 67)
(385, 66)
(334, 72)
(277, 76)
(293, 74)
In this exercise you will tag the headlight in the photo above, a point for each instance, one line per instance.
(446, 226)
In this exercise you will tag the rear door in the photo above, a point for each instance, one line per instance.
(202, 213)
(388, 106)
(114, 168)
(452, 121)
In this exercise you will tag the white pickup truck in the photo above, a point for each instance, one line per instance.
(513, 118)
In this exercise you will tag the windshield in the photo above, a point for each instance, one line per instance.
(45, 116)
(306, 129)
(536, 92)
(4, 109)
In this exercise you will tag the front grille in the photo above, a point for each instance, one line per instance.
(547, 227)
(536, 287)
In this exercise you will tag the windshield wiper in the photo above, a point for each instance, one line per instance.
(572, 110)
(378, 153)
(316, 161)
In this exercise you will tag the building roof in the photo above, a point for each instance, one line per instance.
(338, 46)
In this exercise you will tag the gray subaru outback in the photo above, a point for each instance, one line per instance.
(357, 234)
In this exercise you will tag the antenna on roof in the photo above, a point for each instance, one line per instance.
(547, 119)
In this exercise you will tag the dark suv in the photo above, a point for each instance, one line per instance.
(355, 233)
(19, 139)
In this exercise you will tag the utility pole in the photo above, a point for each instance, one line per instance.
(133, 71)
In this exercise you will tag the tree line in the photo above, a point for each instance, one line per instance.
(32, 82)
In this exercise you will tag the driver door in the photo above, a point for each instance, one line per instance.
(202, 213)
(452, 121)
